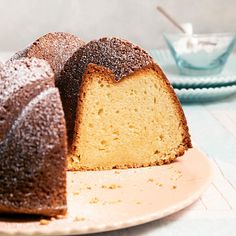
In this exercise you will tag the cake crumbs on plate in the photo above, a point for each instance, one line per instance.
(159, 184)
(79, 218)
(94, 200)
(138, 202)
(76, 193)
(44, 222)
(178, 177)
(155, 182)
(150, 180)
(174, 187)
(111, 186)
(170, 167)
(112, 202)
(117, 172)
(58, 217)
(89, 187)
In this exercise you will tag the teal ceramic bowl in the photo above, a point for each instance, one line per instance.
(200, 54)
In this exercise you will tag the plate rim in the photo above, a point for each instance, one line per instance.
(164, 58)
(196, 95)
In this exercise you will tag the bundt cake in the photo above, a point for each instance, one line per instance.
(55, 48)
(120, 112)
(140, 122)
(33, 142)
(120, 109)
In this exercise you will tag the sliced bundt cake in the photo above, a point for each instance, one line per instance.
(120, 109)
(33, 144)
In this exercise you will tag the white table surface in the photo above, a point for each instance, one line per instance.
(213, 130)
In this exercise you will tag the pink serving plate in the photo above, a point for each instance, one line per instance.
(108, 200)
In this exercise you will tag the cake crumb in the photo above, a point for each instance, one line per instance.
(88, 187)
(94, 200)
(159, 184)
(111, 186)
(117, 172)
(174, 187)
(44, 222)
(58, 217)
(112, 202)
(76, 193)
(79, 218)
(150, 180)
(138, 202)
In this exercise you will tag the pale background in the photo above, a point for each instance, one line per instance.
(22, 21)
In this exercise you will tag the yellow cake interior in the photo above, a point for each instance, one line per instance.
(131, 123)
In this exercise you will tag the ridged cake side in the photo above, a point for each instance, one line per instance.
(21, 81)
(33, 148)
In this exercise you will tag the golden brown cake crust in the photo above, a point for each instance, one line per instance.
(33, 144)
(110, 77)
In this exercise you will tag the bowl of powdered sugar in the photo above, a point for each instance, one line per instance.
(200, 54)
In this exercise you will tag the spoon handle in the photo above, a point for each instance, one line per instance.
(173, 21)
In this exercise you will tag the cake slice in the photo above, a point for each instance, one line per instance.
(33, 142)
(121, 111)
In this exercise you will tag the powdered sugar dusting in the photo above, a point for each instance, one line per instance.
(16, 74)
(120, 56)
(21, 80)
(55, 48)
